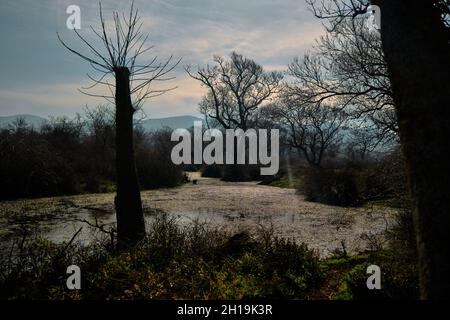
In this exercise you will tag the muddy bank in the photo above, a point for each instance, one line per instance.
(234, 206)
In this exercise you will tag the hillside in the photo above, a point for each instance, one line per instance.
(32, 120)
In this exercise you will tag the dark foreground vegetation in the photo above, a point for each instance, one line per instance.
(198, 262)
(70, 156)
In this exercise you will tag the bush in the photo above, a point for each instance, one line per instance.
(240, 173)
(353, 183)
(31, 166)
(74, 156)
(173, 262)
(330, 186)
(153, 163)
(386, 178)
(212, 171)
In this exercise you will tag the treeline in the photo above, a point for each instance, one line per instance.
(71, 156)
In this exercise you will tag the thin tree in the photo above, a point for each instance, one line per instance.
(114, 55)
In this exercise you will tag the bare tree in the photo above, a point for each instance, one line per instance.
(236, 89)
(415, 40)
(362, 142)
(347, 65)
(101, 127)
(116, 56)
(311, 128)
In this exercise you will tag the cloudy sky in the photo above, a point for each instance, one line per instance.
(38, 76)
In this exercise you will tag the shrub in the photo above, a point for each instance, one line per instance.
(212, 171)
(330, 186)
(32, 167)
(74, 156)
(386, 178)
(173, 262)
(239, 173)
(154, 165)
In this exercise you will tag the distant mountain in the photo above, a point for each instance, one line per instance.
(182, 122)
(31, 120)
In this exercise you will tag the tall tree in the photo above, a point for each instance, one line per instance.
(236, 88)
(117, 56)
(415, 37)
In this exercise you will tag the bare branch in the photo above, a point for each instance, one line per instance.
(123, 49)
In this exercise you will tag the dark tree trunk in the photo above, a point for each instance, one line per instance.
(418, 58)
(130, 219)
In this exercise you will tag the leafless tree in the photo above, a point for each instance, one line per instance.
(415, 40)
(348, 68)
(311, 128)
(100, 125)
(236, 89)
(362, 142)
(115, 55)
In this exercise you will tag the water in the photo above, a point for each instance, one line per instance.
(233, 206)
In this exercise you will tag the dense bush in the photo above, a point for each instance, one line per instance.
(73, 156)
(30, 165)
(386, 178)
(200, 262)
(154, 165)
(330, 186)
(237, 173)
(354, 183)
(212, 171)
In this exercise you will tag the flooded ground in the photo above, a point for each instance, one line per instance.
(233, 206)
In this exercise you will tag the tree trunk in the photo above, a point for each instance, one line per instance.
(130, 219)
(418, 57)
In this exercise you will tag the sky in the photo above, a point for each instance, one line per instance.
(39, 76)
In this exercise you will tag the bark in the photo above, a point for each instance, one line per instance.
(130, 219)
(418, 57)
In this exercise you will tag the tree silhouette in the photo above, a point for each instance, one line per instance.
(116, 55)
(236, 88)
(347, 67)
(415, 40)
(310, 128)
